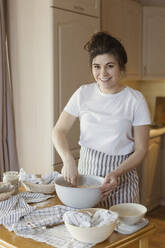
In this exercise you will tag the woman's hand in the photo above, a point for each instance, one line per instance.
(70, 171)
(110, 183)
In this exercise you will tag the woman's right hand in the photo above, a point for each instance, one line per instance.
(70, 171)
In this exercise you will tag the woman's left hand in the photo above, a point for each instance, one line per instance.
(110, 183)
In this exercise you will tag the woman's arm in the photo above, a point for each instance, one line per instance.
(141, 138)
(59, 138)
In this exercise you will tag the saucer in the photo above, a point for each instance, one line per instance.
(128, 229)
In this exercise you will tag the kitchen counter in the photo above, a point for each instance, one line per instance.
(11, 240)
(156, 132)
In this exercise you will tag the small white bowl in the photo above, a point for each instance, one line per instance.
(92, 234)
(129, 213)
(77, 197)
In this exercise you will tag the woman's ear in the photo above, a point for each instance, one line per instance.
(122, 73)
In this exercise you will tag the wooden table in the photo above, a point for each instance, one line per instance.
(11, 240)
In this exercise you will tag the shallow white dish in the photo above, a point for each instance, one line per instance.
(94, 234)
(129, 213)
(77, 197)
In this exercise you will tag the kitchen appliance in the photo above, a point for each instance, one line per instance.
(159, 116)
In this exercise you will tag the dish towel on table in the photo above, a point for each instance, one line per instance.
(87, 219)
(29, 222)
(15, 207)
(57, 236)
(46, 179)
(34, 224)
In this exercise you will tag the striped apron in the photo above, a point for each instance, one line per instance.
(97, 163)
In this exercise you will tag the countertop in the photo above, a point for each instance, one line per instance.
(156, 132)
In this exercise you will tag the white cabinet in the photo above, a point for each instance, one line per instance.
(150, 178)
(153, 43)
(88, 7)
(71, 66)
(123, 19)
(47, 64)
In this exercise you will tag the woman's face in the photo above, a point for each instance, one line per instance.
(107, 73)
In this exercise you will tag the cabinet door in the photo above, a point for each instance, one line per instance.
(132, 37)
(153, 43)
(123, 19)
(71, 69)
(150, 188)
(90, 7)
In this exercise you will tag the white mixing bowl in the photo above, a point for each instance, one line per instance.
(77, 197)
(94, 234)
(129, 213)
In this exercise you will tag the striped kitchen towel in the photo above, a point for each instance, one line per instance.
(39, 219)
(12, 209)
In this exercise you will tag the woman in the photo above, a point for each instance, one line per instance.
(114, 125)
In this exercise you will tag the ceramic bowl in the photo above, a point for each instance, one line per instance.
(94, 234)
(87, 194)
(129, 213)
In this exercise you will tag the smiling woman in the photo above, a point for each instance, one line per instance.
(114, 125)
(108, 59)
(106, 72)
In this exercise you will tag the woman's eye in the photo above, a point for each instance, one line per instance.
(96, 66)
(110, 66)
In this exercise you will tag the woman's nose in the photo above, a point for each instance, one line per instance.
(103, 72)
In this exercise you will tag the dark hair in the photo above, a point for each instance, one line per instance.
(101, 43)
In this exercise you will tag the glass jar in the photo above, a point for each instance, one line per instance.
(12, 178)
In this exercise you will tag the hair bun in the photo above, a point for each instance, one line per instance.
(101, 43)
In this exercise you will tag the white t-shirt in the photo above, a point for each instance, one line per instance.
(106, 120)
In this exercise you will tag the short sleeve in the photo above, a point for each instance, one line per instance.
(142, 114)
(73, 106)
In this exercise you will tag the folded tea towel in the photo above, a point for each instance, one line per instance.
(39, 219)
(78, 218)
(87, 219)
(12, 209)
(36, 225)
(103, 217)
(57, 236)
(45, 179)
(128, 229)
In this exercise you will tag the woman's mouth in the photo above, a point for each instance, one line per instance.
(104, 80)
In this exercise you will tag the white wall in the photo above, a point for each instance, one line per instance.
(32, 77)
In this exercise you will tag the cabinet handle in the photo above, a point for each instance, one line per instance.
(145, 69)
(79, 8)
